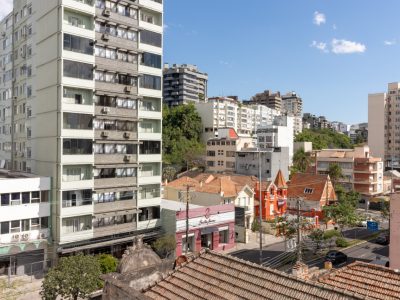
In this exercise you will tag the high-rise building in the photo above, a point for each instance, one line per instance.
(81, 102)
(184, 84)
(292, 105)
(272, 100)
(384, 125)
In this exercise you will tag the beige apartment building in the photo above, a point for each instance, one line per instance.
(384, 125)
(360, 170)
(81, 102)
(221, 152)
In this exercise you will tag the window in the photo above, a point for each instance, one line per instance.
(77, 146)
(150, 147)
(150, 82)
(149, 213)
(15, 226)
(220, 152)
(78, 44)
(35, 224)
(77, 121)
(151, 38)
(35, 197)
(78, 70)
(44, 222)
(308, 191)
(151, 60)
(5, 199)
(25, 198)
(220, 163)
(25, 225)
(76, 224)
(224, 236)
(210, 153)
(76, 198)
(150, 192)
(5, 227)
(210, 163)
(15, 199)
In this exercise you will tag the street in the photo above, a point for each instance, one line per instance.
(274, 255)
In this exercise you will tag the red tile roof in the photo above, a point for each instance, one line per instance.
(280, 181)
(373, 281)
(217, 276)
(302, 181)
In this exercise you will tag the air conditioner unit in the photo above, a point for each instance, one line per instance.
(15, 237)
(43, 235)
(105, 37)
(106, 110)
(128, 89)
(106, 12)
(127, 158)
(25, 237)
(127, 135)
(104, 134)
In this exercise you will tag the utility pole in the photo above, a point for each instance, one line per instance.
(260, 204)
(188, 186)
(298, 231)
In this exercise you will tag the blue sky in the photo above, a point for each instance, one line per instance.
(332, 53)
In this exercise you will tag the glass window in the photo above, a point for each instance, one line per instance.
(15, 226)
(78, 70)
(77, 146)
(151, 60)
(5, 227)
(25, 198)
(15, 198)
(44, 222)
(25, 225)
(35, 224)
(78, 44)
(77, 121)
(150, 82)
(151, 38)
(5, 199)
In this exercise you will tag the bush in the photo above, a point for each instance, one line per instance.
(255, 226)
(331, 233)
(108, 263)
(165, 245)
(342, 242)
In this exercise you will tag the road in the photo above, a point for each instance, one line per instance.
(274, 254)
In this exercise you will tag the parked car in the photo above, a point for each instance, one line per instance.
(383, 239)
(336, 257)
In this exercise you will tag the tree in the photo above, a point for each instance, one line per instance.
(385, 211)
(74, 277)
(317, 236)
(108, 263)
(169, 173)
(335, 173)
(182, 130)
(324, 138)
(165, 245)
(301, 161)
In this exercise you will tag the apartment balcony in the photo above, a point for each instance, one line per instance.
(365, 169)
(25, 236)
(77, 159)
(77, 185)
(105, 207)
(149, 158)
(113, 135)
(77, 133)
(76, 236)
(108, 39)
(116, 112)
(365, 181)
(142, 180)
(113, 229)
(116, 88)
(147, 114)
(81, 31)
(116, 65)
(107, 14)
(81, 6)
(107, 159)
(77, 210)
(104, 183)
(148, 136)
(155, 5)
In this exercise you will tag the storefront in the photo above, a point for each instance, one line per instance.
(210, 227)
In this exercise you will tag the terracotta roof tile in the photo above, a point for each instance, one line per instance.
(218, 276)
(376, 282)
(280, 181)
(301, 181)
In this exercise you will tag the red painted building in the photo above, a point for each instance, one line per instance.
(210, 227)
(274, 198)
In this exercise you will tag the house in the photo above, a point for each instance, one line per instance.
(211, 227)
(217, 189)
(274, 197)
(314, 190)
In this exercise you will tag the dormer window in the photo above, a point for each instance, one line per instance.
(308, 191)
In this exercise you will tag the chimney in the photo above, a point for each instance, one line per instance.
(300, 270)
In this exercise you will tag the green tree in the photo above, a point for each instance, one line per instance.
(317, 236)
(165, 245)
(301, 161)
(335, 173)
(182, 129)
(108, 263)
(324, 138)
(169, 173)
(74, 277)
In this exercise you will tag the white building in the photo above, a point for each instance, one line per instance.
(24, 221)
(229, 112)
(87, 112)
(292, 105)
(279, 134)
(384, 125)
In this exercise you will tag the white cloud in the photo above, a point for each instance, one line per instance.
(390, 43)
(334, 27)
(347, 47)
(319, 18)
(320, 46)
(5, 7)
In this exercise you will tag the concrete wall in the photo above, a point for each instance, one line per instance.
(376, 124)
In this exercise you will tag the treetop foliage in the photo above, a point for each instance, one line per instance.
(324, 139)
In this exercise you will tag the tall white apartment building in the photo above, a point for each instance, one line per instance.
(229, 112)
(292, 105)
(81, 102)
(384, 125)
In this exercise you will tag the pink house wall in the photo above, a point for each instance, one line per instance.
(394, 247)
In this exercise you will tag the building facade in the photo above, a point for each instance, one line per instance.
(394, 246)
(292, 105)
(272, 160)
(211, 227)
(360, 170)
(311, 121)
(184, 84)
(85, 106)
(25, 222)
(271, 100)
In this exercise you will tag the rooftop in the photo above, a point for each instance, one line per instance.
(310, 186)
(211, 275)
(175, 205)
(368, 280)
(6, 174)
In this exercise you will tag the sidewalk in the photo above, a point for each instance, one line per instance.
(254, 242)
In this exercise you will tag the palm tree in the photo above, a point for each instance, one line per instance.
(335, 173)
(301, 160)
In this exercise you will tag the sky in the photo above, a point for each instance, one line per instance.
(333, 53)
